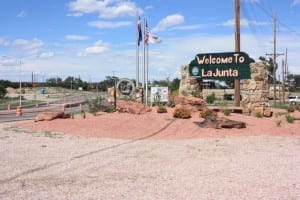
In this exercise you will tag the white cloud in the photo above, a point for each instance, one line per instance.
(98, 47)
(105, 9)
(22, 14)
(76, 37)
(7, 61)
(28, 46)
(107, 24)
(3, 42)
(244, 22)
(168, 22)
(295, 2)
(47, 55)
(149, 7)
(188, 27)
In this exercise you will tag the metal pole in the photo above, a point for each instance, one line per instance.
(137, 51)
(20, 86)
(144, 58)
(147, 70)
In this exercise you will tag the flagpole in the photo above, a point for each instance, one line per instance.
(144, 61)
(137, 52)
(147, 70)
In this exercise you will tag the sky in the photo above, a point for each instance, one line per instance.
(93, 39)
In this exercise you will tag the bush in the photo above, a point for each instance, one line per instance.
(110, 110)
(182, 113)
(162, 109)
(207, 113)
(289, 118)
(297, 107)
(210, 99)
(290, 108)
(259, 114)
(95, 105)
(226, 112)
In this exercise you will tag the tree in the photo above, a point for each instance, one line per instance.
(271, 67)
(54, 82)
(3, 85)
(175, 84)
(108, 82)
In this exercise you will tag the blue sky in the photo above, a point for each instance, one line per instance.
(97, 38)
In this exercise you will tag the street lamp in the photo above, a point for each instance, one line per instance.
(20, 86)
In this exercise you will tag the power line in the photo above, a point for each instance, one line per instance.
(268, 13)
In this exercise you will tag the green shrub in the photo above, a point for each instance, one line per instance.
(96, 105)
(226, 112)
(182, 113)
(259, 114)
(297, 107)
(210, 99)
(110, 110)
(289, 118)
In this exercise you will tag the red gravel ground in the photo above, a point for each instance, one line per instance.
(163, 126)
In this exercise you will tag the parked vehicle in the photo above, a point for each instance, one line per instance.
(294, 99)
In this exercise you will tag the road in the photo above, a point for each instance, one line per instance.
(71, 105)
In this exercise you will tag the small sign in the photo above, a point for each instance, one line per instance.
(159, 94)
(228, 65)
(125, 87)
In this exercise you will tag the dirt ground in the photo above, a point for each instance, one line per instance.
(149, 156)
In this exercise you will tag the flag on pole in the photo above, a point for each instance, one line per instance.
(146, 34)
(139, 29)
(149, 38)
(154, 39)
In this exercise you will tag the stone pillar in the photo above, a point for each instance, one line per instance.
(187, 83)
(255, 91)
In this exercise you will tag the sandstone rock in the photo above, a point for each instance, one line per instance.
(48, 116)
(268, 112)
(255, 90)
(132, 107)
(251, 85)
(218, 123)
(193, 104)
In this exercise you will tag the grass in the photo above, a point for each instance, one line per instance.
(50, 134)
(19, 130)
(14, 102)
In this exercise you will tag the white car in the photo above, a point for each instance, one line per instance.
(294, 100)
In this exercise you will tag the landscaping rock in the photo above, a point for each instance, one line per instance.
(132, 107)
(48, 116)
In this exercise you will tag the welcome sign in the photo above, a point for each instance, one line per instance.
(228, 65)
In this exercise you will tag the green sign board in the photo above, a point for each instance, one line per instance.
(228, 65)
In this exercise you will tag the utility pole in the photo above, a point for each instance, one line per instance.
(283, 82)
(274, 54)
(237, 49)
(285, 66)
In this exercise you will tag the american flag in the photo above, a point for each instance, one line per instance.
(139, 29)
(147, 34)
